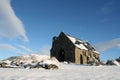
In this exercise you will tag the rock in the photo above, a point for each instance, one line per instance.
(3, 65)
(15, 63)
(29, 65)
(112, 62)
(102, 63)
(118, 59)
(50, 66)
(93, 62)
(38, 65)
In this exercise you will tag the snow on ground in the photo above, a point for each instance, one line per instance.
(66, 71)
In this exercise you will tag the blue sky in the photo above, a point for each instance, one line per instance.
(27, 26)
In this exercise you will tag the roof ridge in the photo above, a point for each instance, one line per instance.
(75, 37)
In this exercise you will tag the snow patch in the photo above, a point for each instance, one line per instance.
(81, 46)
(116, 63)
(50, 61)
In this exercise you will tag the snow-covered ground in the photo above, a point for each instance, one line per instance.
(65, 72)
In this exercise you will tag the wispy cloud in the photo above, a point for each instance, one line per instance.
(10, 47)
(7, 47)
(44, 50)
(10, 25)
(106, 8)
(22, 50)
(118, 45)
(26, 49)
(108, 44)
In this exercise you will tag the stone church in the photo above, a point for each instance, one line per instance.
(71, 49)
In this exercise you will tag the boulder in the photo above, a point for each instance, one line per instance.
(102, 63)
(118, 59)
(29, 65)
(5, 63)
(93, 62)
(50, 66)
(51, 63)
(112, 62)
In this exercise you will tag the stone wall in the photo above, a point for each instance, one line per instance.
(64, 50)
(62, 43)
(83, 56)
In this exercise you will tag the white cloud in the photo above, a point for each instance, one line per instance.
(10, 25)
(7, 47)
(11, 48)
(25, 49)
(44, 50)
(22, 50)
(108, 44)
(118, 45)
(20, 53)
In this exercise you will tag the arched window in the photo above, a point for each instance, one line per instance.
(88, 59)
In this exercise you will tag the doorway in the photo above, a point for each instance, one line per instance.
(81, 59)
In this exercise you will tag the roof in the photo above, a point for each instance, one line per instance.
(81, 44)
